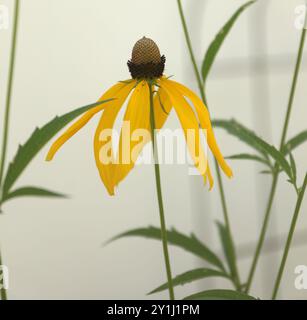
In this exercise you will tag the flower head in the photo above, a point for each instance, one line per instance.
(146, 61)
(146, 65)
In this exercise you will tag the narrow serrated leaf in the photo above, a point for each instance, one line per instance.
(32, 191)
(37, 141)
(266, 172)
(220, 294)
(188, 243)
(191, 276)
(275, 154)
(295, 142)
(218, 41)
(247, 156)
(241, 132)
(249, 137)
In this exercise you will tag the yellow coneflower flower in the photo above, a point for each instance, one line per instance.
(146, 66)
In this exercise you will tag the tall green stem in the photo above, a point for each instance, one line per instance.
(160, 198)
(7, 112)
(9, 94)
(289, 239)
(200, 84)
(276, 171)
(262, 233)
(192, 56)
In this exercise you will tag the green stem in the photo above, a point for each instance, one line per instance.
(192, 56)
(235, 277)
(262, 233)
(200, 84)
(293, 87)
(222, 194)
(9, 96)
(7, 112)
(276, 171)
(289, 239)
(160, 199)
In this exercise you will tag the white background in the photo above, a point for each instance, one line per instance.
(71, 51)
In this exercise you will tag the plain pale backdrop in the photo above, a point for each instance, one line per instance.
(71, 51)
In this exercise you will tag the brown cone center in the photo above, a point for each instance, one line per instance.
(145, 51)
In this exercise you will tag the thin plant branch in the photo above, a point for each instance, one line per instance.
(9, 94)
(276, 172)
(7, 111)
(236, 279)
(289, 238)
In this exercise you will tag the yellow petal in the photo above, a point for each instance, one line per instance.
(103, 139)
(73, 129)
(189, 124)
(135, 131)
(204, 119)
(162, 107)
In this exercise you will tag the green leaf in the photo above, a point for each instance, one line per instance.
(191, 276)
(266, 172)
(220, 294)
(218, 41)
(249, 137)
(295, 142)
(229, 250)
(37, 141)
(275, 154)
(32, 191)
(188, 243)
(236, 129)
(247, 156)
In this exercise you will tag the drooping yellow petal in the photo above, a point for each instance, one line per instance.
(189, 124)
(162, 107)
(135, 132)
(74, 128)
(103, 149)
(204, 119)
